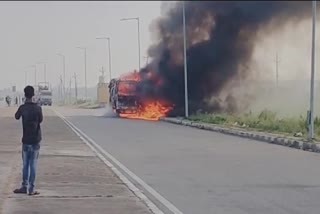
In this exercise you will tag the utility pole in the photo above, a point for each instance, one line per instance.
(64, 76)
(64, 73)
(61, 86)
(277, 70)
(109, 50)
(185, 62)
(139, 42)
(109, 58)
(45, 72)
(102, 72)
(70, 90)
(75, 87)
(85, 70)
(147, 59)
(311, 111)
(25, 77)
(35, 75)
(59, 98)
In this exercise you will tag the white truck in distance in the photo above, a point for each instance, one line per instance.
(44, 94)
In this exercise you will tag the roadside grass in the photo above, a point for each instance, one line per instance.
(265, 121)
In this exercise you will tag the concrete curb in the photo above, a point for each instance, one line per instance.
(265, 137)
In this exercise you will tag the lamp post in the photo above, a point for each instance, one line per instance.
(185, 62)
(311, 111)
(35, 73)
(109, 51)
(138, 21)
(64, 74)
(44, 70)
(85, 70)
(25, 77)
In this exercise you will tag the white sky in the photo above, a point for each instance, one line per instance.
(32, 32)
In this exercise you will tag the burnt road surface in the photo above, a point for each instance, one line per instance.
(203, 172)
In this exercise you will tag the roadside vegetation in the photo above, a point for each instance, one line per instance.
(265, 121)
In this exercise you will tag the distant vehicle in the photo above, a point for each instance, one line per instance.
(43, 95)
(124, 97)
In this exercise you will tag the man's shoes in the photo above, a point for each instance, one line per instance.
(22, 190)
(34, 193)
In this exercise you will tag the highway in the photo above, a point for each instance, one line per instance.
(202, 172)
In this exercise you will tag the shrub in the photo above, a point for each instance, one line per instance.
(264, 121)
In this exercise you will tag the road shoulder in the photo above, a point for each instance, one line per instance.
(71, 178)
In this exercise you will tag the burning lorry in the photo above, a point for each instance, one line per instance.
(127, 101)
(123, 96)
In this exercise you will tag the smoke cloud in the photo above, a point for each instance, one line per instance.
(221, 36)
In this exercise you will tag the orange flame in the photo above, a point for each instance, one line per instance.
(126, 88)
(151, 111)
(133, 76)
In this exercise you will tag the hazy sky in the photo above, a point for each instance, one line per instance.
(32, 32)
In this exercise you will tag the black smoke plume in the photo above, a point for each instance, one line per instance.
(221, 36)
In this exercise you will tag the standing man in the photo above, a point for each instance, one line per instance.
(32, 116)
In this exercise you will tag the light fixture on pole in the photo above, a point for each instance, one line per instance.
(138, 21)
(109, 51)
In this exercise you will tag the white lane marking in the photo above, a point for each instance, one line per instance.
(130, 185)
(94, 146)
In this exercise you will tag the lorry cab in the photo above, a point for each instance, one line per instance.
(44, 94)
(124, 97)
(45, 97)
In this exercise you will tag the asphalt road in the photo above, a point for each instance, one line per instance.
(203, 172)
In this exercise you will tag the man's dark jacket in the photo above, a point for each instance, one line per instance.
(32, 116)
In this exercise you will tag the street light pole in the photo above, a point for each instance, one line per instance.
(85, 70)
(109, 58)
(185, 62)
(139, 42)
(64, 74)
(35, 75)
(311, 113)
(64, 77)
(147, 59)
(45, 72)
(25, 78)
(75, 87)
(61, 96)
(109, 51)
(277, 70)
(138, 20)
